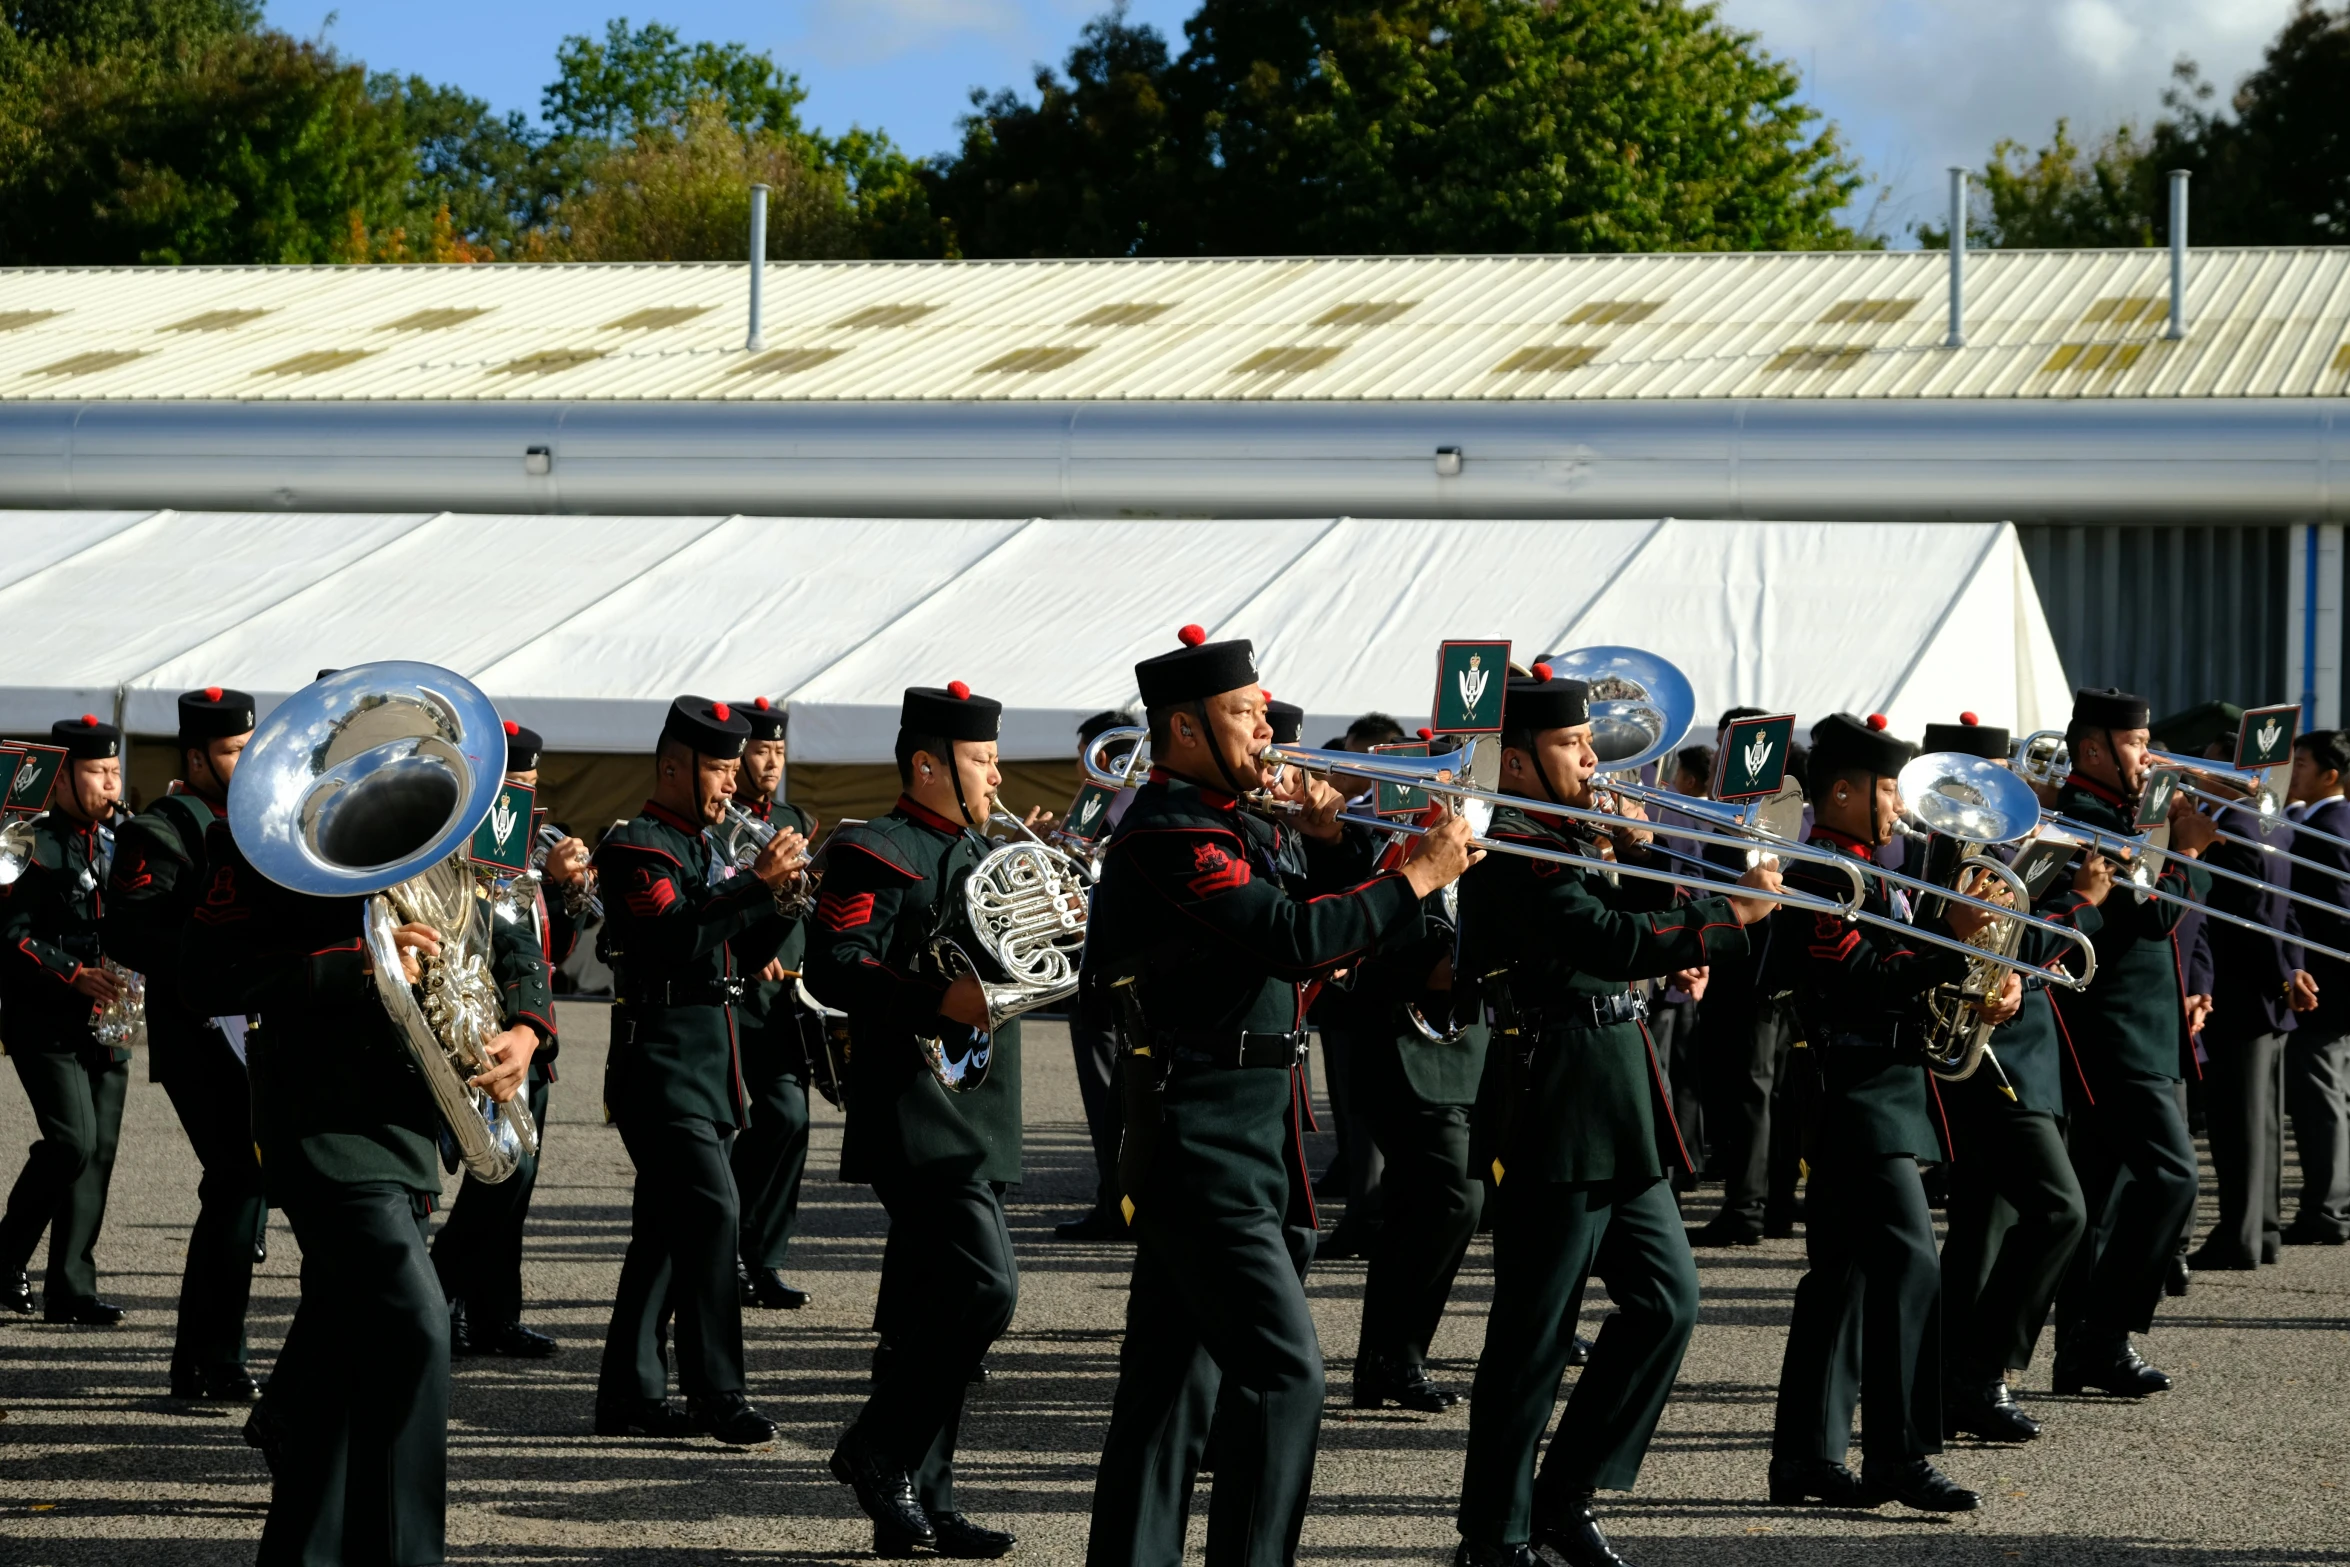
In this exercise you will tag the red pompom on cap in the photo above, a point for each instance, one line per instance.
(512, 729)
(1192, 636)
(212, 693)
(760, 703)
(1541, 671)
(1427, 733)
(1876, 720)
(959, 691)
(89, 720)
(721, 712)
(1969, 719)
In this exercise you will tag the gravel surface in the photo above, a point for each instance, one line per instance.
(2244, 1463)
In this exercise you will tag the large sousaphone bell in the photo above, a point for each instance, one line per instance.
(370, 784)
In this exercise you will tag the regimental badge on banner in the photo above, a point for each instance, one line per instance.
(502, 841)
(1470, 680)
(11, 763)
(1088, 821)
(1752, 757)
(31, 776)
(2266, 738)
(2162, 785)
(1400, 799)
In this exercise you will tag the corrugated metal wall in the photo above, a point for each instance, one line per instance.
(2179, 615)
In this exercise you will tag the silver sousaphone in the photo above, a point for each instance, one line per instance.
(370, 784)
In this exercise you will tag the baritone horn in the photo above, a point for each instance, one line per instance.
(369, 784)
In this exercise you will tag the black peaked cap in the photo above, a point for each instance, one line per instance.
(2110, 709)
(523, 746)
(87, 738)
(1199, 668)
(950, 713)
(215, 713)
(701, 725)
(1967, 737)
(1843, 743)
(1288, 721)
(1542, 701)
(767, 721)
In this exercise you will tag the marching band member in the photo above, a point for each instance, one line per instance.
(160, 876)
(1582, 1162)
(673, 1082)
(51, 987)
(1095, 1053)
(1196, 950)
(2129, 1141)
(939, 1161)
(2007, 1125)
(771, 1154)
(2317, 1059)
(478, 1253)
(1865, 1326)
(355, 1420)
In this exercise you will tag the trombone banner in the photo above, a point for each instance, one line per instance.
(1470, 680)
(1752, 757)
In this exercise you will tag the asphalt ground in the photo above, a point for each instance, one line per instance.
(2243, 1463)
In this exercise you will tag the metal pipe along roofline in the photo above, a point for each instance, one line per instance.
(2102, 460)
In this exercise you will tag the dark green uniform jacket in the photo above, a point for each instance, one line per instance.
(1396, 1062)
(1857, 993)
(160, 874)
(49, 920)
(889, 886)
(1546, 941)
(2132, 1018)
(668, 934)
(2029, 1046)
(765, 1017)
(336, 1098)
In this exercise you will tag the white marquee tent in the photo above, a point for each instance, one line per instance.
(585, 626)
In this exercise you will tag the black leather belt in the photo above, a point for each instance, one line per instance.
(1235, 1047)
(680, 992)
(1575, 1014)
(1842, 1039)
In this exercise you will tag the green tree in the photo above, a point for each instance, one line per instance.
(2273, 168)
(2064, 196)
(1404, 125)
(489, 171)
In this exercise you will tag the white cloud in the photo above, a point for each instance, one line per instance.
(864, 31)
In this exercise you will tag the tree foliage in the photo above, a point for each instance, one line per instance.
(1403, 125)
(2063, 196)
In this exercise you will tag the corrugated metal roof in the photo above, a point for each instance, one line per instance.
(2077, 324)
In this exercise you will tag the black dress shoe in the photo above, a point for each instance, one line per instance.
(517, 1342)
(16, 1293)
(770, 1292)
(2177, 1277)
(883, 1489)
(262, 1436)
(2299, 1234)
(2209, 1259)
(1345, 1241)
(1496, 1556)
(1095, 1226)
(1797, 1481)
(1920, 1485)
(214, 1384)
(731, 1418)
(1574, 1536)
(1579, 1352)
(980, 1376)
(1723, 1231)
(1384, 1379)
(84, 1311)
(1988, 1411)
(261, 1245)
(2116, 1371)
(952, 1535)
(642, 1417)
(461, 1342)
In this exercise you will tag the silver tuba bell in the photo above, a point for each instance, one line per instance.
(370, 784)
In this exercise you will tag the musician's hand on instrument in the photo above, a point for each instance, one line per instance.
(1628, 837)
(97, 984)
(2301, 991)
(2191, 832)
(774, 973)
(1966, 921)
(1762, 878)
(785, 856)
(414, 943)
(1990, 889)
(964, 1003)
(1322, 802)
(2094, 879)
(1441, 857)
(510, 1054)
(2010, 1000)
(1039, 820)
(567, 863)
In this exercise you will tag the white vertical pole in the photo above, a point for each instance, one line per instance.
(2178, 256)
(1957, 337)
(757, 340)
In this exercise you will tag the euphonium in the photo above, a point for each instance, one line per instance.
(370, 784)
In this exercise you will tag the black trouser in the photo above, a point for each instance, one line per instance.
(359, 1399)
(1350, 1115)
(77, 1104)
(1867, 1324)
(2138, 1179)
(2317, 1093)
(1096, 1056)
(948, 1286)
(2244, 1090)
(1432, 1203)
(1673, 1030)
(769, 1158)
(214, 1098)
(1546, 1239)
(683, 1224)
(478, 1253)
(2015, 1216)
(1753, 1135)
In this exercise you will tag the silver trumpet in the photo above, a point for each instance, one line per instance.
(740, 838)
(579, 897)
(370, 784)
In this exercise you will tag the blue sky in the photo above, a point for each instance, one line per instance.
(1915, 84)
